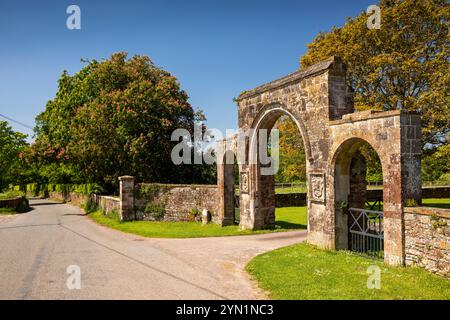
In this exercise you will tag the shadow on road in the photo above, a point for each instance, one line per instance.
(44, 204)
(76, 214)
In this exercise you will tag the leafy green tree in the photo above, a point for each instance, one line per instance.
(112, 118)
(436, 164)
(11, 146)
(404, 65)
(292, 166)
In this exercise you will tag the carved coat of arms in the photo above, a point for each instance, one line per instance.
(244, 182)
(318, 187)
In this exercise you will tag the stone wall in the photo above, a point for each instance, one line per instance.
(14, 203)
(436, 192)
(290, 200)
(106, 203)
(175, 202)
(427, 239)
(72, 197)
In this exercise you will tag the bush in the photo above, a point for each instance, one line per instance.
(90, 205)
(43, 189)
(32, 188)
(23, 205)
(114, 214)
(444, 178)
(156, 211)
(195, 215)
(11, 194)
(410, 203)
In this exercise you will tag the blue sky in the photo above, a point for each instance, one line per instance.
(215, 48)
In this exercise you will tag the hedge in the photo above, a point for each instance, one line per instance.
(44, 189)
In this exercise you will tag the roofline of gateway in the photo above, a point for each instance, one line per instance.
(292, 77)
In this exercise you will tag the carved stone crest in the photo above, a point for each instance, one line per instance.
(244, 182)
(317, 187)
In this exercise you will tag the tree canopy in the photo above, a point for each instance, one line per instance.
(404, 65)
(11, 146)
(113, 117)
(292, 165)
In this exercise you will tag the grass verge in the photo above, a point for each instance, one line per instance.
(436, 203)
(286, 219)
(7, 211)
(304, 272)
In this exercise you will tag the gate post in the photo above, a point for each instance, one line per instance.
(403, 184)
(126, 198)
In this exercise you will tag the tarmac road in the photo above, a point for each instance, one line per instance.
(36, 249)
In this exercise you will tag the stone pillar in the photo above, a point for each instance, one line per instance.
(126, 198)
(225, 182)
(411, 136)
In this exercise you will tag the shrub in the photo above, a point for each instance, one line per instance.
(11, 194)
(444, 178)
(113, 214)
(150, 190)
(90, 205)
(7, 210)
(195, 214)
(32, 188)
(411, 203)
(23, 205)
(44, 189)
(156, 211)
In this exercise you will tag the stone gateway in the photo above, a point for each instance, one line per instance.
(318, 100)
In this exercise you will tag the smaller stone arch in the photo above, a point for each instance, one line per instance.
(399, 153)
(343, 157)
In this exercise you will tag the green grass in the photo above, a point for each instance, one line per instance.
(302, 189)
(291, 218)
(436, 203)
(7, 211)
(299, 189)
(304, 272)
(286, 219)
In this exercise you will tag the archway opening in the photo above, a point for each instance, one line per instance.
(358, 181)
(290, 180)
(281, 188)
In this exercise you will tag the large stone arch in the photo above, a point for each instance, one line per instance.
(267, 118)
(320, 102)
(262, 187)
